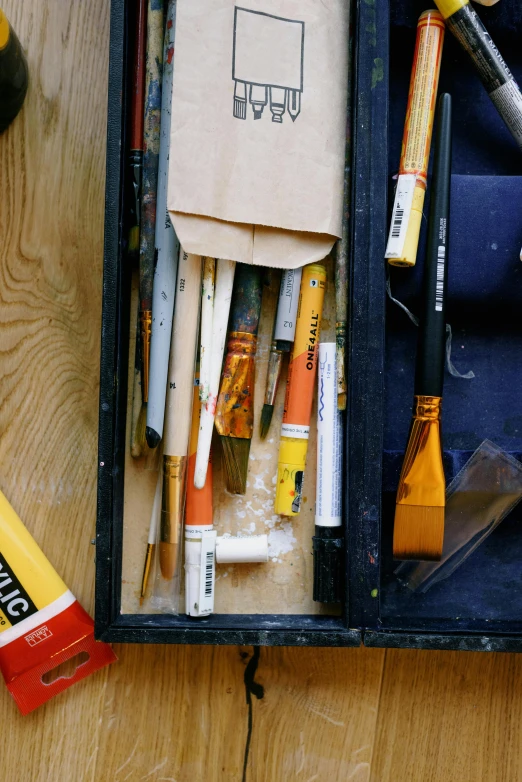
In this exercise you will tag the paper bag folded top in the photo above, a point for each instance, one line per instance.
(258, 129)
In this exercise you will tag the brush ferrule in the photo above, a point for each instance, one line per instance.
(146, 568)
(146, 331)
(422, 478)
(275, 362)
(241, 343)
(174, 476)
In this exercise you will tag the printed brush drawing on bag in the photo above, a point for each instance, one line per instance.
(265, 73)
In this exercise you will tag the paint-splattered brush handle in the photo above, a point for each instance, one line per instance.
(151, 146)
(235, 406)
(246, 299)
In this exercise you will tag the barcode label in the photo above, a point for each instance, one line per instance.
(207, 572)
(439, 290)
(209, 568)
(397, 223)
(401, 215)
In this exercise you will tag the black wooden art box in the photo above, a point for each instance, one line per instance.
(479, 606)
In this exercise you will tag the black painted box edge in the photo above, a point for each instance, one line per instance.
(110, 624)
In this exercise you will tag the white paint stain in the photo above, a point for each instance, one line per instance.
(281, 540)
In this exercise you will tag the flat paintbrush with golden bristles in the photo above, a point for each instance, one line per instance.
(419, 513)
(235, 405)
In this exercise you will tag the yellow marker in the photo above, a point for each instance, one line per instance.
(406, 221)
(4, 30)
(300, 392)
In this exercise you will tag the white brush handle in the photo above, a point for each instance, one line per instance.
(222, 297)
(207, 316)
(180, 387)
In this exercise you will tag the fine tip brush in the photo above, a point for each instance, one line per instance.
(282, 341)
(419, 512)
(235, 405)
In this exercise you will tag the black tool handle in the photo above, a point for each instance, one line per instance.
(431, 348)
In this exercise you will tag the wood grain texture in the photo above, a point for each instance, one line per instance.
(449, 717)
(175, 713)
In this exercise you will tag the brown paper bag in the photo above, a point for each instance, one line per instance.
(258, 128)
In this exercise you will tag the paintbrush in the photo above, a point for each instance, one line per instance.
(343, 246)
(282, 340)
(166, 253)
(151, 540)
(419, 512)
(207, 317)
(136, 124)
(151, 148)
(222, 296)
(178, 413)
(235, 405)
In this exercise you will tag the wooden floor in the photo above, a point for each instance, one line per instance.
(169, 713)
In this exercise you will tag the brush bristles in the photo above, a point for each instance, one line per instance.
(341, 401)
(266, 418)
(418, 532)
(235, 452)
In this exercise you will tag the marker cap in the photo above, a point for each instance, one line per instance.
(253, 548)
(449, 7)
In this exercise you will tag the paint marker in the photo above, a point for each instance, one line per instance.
(328, 539)
(405, 225)
(200, 537)
(41, 623)
(300, 387)
(167, 251)
(493, 72)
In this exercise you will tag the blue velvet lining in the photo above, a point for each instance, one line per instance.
(484, 309)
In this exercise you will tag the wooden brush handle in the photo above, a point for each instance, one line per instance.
(180, 385)
(431, 348)
(246, 299)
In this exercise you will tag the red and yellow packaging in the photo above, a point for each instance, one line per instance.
(406, 221)
(41, 623)
(300, 389)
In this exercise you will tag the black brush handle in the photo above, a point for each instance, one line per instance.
(432, 335)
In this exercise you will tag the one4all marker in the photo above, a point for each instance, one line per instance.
(300, 388)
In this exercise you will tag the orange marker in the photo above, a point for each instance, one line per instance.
(405, 226)
(300, 392)
(200, 538)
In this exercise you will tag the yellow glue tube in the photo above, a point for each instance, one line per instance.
(300, 388)
(403, 238)
(41, 623)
